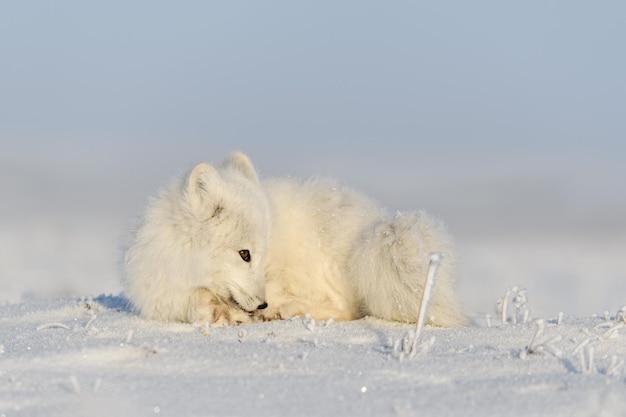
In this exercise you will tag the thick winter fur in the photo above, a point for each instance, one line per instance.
(222, 247)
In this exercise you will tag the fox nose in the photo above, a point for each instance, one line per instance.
(262, 306)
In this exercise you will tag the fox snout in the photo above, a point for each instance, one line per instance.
(247, 301)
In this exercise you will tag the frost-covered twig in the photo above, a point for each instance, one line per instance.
(581, 345)
(408, 346)
(587, 365)
(534, 346)
(519, 300)
(610, 333)
(52, 326)
(90, 321)
(503, 306)
(585, 350)
(621, 315)
(433, 266)
(615, 366)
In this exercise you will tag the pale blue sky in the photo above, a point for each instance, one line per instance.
(386, 96)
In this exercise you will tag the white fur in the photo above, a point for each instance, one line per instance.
(190, 237)
(316, 248)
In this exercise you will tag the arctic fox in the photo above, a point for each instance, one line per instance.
(219, 246)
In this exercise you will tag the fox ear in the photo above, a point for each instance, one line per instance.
(203, 186)
(241, 163)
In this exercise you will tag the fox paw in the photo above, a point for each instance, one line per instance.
(281, 312)
(269, 314)
(207, 307)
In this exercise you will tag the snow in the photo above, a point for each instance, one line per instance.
(71, 356)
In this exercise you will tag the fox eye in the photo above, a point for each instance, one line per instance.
(245, 255)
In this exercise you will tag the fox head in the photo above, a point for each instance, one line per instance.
(228, 230)
(207, 230)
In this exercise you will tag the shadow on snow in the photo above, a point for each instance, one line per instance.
(115, 302)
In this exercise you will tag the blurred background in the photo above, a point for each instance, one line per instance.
(507, 120)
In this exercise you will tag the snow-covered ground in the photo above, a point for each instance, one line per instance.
(90, 356)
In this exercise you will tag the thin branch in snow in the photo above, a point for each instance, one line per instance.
(433, 266)
(615, 367)
(581, 345)
(408, 346)
(91, 320)
(503, 306)
(530, 348)
(550, 347)
(611, 333)
(534, 346)
(586, 352)
(559, 318)
(587, 364)
(583, 365)
(52, 326)
(540, 327)
(519, 300)
(603, 325)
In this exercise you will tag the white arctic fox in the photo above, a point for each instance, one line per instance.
(221, 247)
